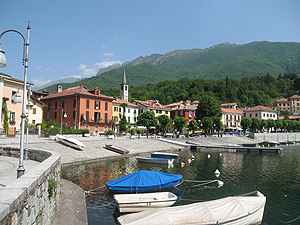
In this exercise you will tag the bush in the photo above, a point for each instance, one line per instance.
(56, 130)
(109, 132)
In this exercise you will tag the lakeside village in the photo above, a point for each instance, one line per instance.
(79, 110)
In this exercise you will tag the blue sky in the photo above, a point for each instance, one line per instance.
(78, 37)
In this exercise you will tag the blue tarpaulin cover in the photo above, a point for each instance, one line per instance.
(143, 181)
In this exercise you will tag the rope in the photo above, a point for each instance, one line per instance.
(90, 207)
(205, 182)
(291, 221)
(88, 192)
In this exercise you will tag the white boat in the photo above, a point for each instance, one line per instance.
(230, 210)
(72, 142)
(164, 155)
(145, 201)
(154, 160)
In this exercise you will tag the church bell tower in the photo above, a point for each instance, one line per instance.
(124, 89)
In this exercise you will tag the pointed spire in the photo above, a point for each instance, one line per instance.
(124, 78)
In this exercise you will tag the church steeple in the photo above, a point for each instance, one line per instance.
(124, 89)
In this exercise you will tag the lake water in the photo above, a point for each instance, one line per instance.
(277, 176)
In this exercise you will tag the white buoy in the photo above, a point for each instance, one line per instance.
(189, 160)
(220, 154)
(220, 183)
(193, 157)
(208, 156)
(182, 164)
(217, 173)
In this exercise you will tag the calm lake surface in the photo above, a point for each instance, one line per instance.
(277, 176)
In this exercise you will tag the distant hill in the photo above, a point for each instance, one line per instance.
(217, 62)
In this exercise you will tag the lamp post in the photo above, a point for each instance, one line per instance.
(63, 115)
(3, 63)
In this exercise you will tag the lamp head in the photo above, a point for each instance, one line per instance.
(3, 62)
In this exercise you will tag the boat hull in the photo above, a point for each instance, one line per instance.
(155, 160)
(231, 211)
(71, 142)
(163, 155)
(116, 149)
(141, 202)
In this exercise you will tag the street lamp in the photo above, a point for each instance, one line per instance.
(3, 63)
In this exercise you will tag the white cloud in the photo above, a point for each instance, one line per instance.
(39, 67)
(105, 64)
(38, 82)
(87, 72)
(107, 54)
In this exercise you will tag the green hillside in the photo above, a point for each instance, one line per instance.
(217, 62)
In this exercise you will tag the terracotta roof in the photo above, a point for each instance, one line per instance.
(282, 100)
(259, 108)
(152, 104)
(236, 111)
(295, 96)
(119, 101)
(229, 104)
(74, 90)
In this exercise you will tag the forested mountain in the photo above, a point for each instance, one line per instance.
(247, 91)
(217, 62)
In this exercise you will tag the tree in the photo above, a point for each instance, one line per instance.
(246, 123)
(255, 124)
(165, 122)
(270, 124)
(193, 125)
(207, 123)
(208, 107)
(278, 124)
(262, 124)
(179, 123)
(112, 123)
(5, 113)
(123, 124)
(218, 125)
(147, 119)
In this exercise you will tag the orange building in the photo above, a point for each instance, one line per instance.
(80, 108)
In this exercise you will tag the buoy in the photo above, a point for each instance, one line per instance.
(220, 183)
(217, 173)
(208, 156)
(193, 157)
(220, 154)
(189, 160)
(182, 164)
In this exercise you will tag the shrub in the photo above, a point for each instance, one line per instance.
(109, 132)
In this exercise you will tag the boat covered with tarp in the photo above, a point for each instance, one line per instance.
(237, 210)
(143, 181)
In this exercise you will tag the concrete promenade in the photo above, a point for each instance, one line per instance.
(71, 206)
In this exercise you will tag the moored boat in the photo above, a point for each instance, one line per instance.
(154, 160)
(163, 155)
(144, 201)
(143, 181)
(71, 142)
(230, 210)
(116, 149)
(269, 143)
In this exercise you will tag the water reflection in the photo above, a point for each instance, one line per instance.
(275, 175)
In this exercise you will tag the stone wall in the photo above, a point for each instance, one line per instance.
(32, 198)
(279, 137)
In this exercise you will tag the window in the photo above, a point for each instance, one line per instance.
(63, 104)
(264, 114)
(257, 115)
(33, 121)
(166, 112)
(87, 127)
(74, 113)
(49, 105)
(74, 103)
(87, 104)
(115, 109)
(55, 115)
(56, 105)
(97, 92)
(176, 113)
(87, 114)
(48, 116)
(250, 115)
(125, 88)
(106, 118)
(128, 119)
(106, 105)
(105, 128)
(97, 116)
(128, 110)
(181, 113)
(12, 117)
(34, 111)
(97, 104)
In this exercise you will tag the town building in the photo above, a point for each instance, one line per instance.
(261, 112)
(130, 112)
(35, 111)
(230, 105)
(10, 88)
(295, 104)
(80, 108)
(185, 109)
(282, 104)
(152, 105)
(232, 118)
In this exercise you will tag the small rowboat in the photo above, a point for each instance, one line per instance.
(155, 160)
(141, 202)
(143, 181)
(72, 142)
(235, 210)
(163, 155)
(116, 149)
